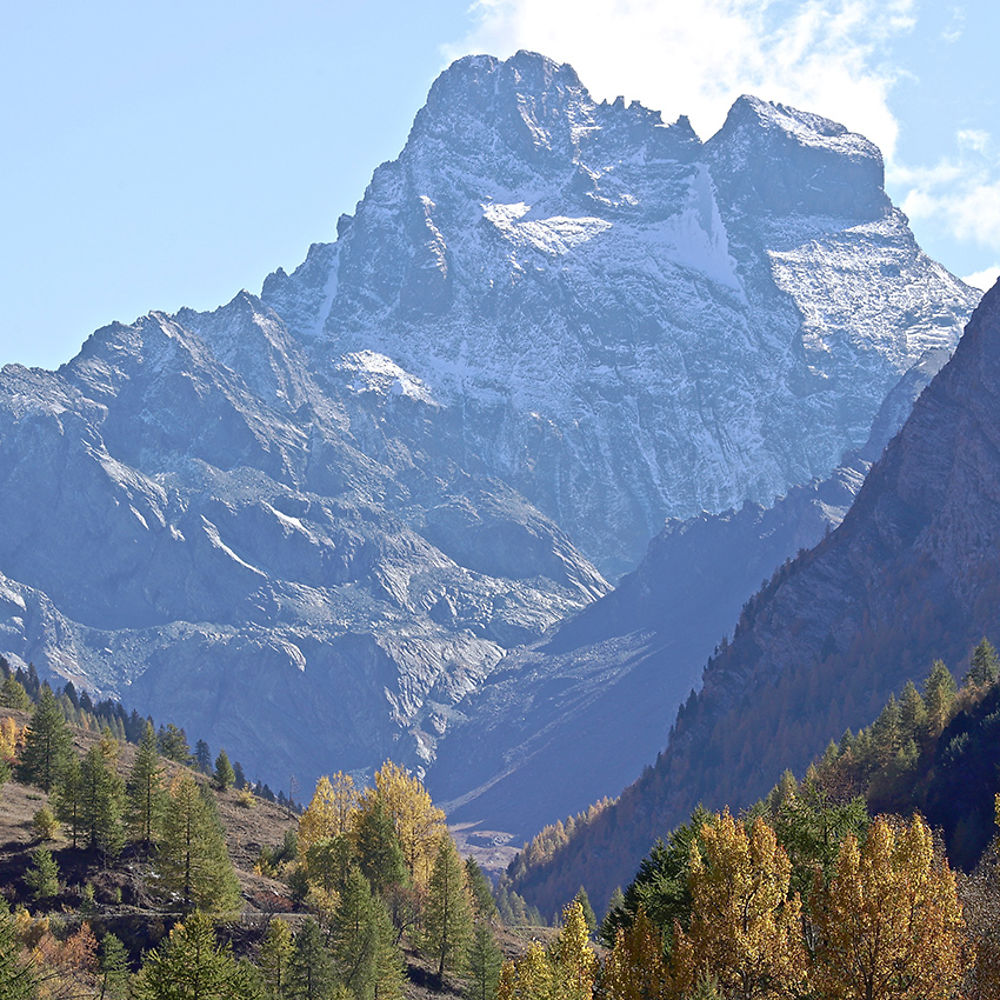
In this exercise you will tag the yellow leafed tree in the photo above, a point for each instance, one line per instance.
(745, 930)
(635, 969)
(331, 811)
(574, 958)
(531, 977)
(890, 922)
(12, 737)
(418, 822)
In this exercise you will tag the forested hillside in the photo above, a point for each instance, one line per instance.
(908, 577)
(119, 878)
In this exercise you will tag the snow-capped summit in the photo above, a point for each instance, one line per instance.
(632, 324)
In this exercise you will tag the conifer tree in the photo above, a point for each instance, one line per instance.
(483, 962)
(103, 801)
(203, 757)
(310, 973)
(224, 774)
(69, 798)
(42, 877)
(984, 668)
(276, 952)
(448, 912)
(48, 742)
(173, 743)
(939, 695)
(912, 713)
(389, 969)
(239, 777)
(145, 789)
(114, 967)
(351, 937)
(193, 859)
(379, 855)
(13, 695)
(327, 862)
(483, 903)
(191, 965)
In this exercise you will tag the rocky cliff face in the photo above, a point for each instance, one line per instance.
(631, 324)
(637, 653)
(909, 576)
(309, 525)
(192, 524)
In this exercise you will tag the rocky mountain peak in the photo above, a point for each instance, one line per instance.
(778, 160)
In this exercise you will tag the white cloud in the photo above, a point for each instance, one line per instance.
(962, 196)
(697, 57)
(984, 279)
(956, 26)
(973, 138)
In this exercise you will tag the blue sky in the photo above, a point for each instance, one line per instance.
(159, 155)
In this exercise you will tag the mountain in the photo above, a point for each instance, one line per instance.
(310, 524)
(635, 653)
(907, 577)
(625, 323)
(193, 524)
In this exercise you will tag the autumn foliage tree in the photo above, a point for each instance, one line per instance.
(330, 812)
(744, 930)
(635, 969)
(419, 823)
(890, 923)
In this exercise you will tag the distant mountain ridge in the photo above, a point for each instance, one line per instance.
(310, 524)
(910, 575)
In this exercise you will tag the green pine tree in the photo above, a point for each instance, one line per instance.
(103, 801)
(224, 774)
(276, 952)
(984, 668)
(114, 968)
(389, 972)
(42, 877)
(380, 856)
(13, 695)
(173, 743)
(48, 743)
(483, 903)
(144, 789)
(327, 861)
(939, 696)
(203, 757)
(193, 860)
(69, 798)
(310, 973)
(191, 965)
(484, 961)
(351, 938)
(448, 913)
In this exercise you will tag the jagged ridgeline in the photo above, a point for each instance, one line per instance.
(909, 576)
(311, 523)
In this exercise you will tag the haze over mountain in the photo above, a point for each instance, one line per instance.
(310, 524)
(909, 576)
